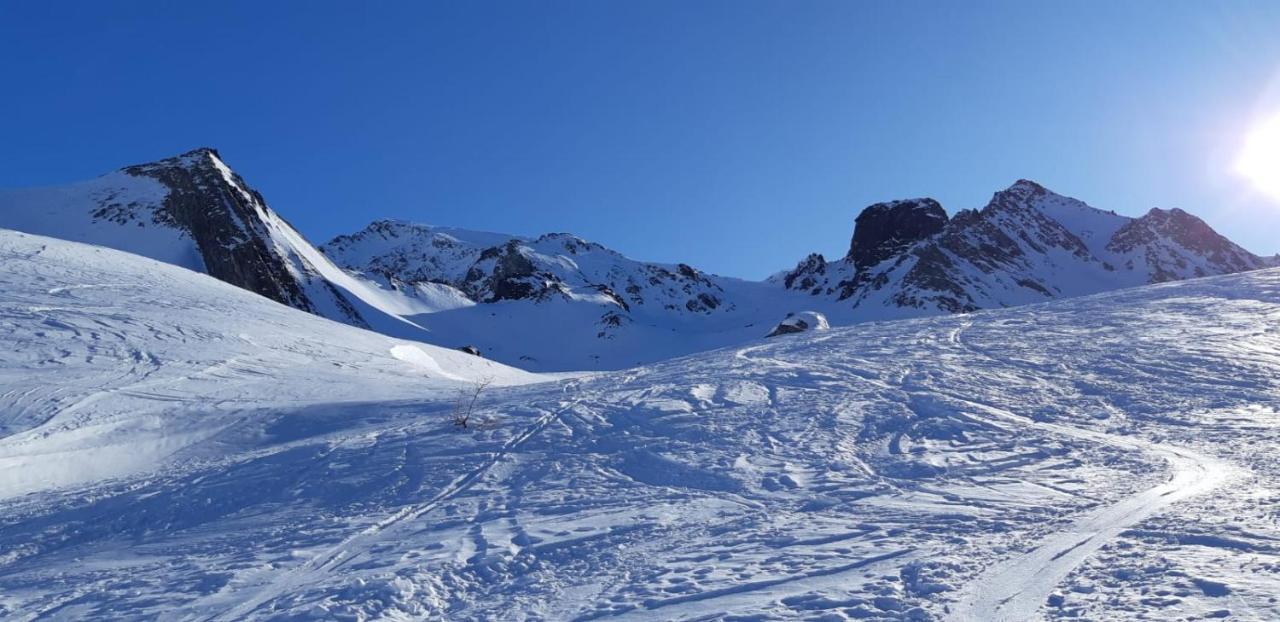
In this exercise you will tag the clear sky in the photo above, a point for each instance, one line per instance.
(736, 136)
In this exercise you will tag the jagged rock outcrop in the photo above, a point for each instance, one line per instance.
(505, 273)
(1171, 245)
(490, 267)
(808, 275)
(232, 228)
(1026, 245)
(194, 211)
(885, 230)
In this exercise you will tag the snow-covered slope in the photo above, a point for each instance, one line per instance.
(1027, 245)
(557, 302)
(114, 362)
(193, 211)
(1105, 457)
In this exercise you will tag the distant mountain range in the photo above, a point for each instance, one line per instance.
(558, 302)
(1027, 245)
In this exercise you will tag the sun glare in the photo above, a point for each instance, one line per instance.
(1259, 161)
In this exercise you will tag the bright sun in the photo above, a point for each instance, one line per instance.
(1260, 159)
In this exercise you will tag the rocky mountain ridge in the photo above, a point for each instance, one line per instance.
(488, 268)
(1026, 245)
(192, 210)
(558, 302)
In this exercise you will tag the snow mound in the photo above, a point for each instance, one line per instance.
(415, 356)
(799, 323)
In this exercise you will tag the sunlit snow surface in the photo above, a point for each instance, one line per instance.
(177, 448)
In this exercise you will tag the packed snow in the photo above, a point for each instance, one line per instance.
(177, 448)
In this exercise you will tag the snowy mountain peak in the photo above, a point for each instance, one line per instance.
(198, 154)
(1022, 193)
(1027, 186)
(1028, 244)
(560, 302)
(194, 211)
(204, 160)
(1172, 244)
(490, 267)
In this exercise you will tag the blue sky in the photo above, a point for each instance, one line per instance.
(736, 136)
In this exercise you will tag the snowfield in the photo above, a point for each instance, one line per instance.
(177, 448)
(114, 362)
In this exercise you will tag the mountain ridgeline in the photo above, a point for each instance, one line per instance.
(557, 302)
(1027, 245)
(490, 268)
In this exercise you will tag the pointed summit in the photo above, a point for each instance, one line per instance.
(200, 157)
(1172, 245)
(193, 211)
(1026, 185)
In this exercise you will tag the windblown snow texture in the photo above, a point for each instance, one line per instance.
(174, 447)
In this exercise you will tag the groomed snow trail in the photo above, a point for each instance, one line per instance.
(1014, 589)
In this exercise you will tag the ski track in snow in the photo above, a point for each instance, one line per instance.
(1014, 589)
(347, 550)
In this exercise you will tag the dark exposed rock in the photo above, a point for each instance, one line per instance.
(511, 278)
(1157, 234)
(1027, 244)
(789, 327)
(930, 282)
(610, 322)
(225, 218)
(472, 350)
(885, 230)
(702, 303)
(505, 273)
(604, 289)
(808, 275)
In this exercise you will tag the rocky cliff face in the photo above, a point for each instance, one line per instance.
(885, 230)
(194, 211)
(1027, 245)
(235, 232)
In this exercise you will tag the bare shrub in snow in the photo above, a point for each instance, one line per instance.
(465, 407)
